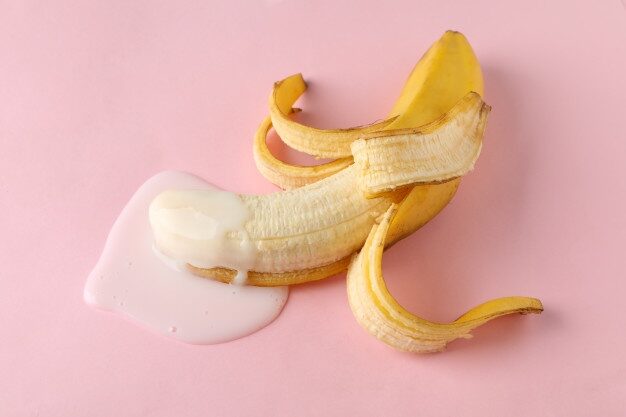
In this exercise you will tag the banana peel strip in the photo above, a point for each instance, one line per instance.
(380, 314)
(323, 143)
(289, 176)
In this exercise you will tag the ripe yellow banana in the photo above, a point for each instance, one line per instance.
(381, 315)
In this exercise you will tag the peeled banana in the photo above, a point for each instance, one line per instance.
(288, 176)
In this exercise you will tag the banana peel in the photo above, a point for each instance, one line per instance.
(380, 314)
(323, 143)
(289, 176)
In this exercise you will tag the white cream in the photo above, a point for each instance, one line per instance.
(131, 279)
(204, 228)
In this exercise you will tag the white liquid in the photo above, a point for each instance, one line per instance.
(130, 279)
(204, 228)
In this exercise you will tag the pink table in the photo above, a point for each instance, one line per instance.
(96, 96)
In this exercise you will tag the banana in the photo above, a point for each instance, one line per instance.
(406, 169)
(380, 314)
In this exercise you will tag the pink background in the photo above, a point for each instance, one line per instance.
(96, 96)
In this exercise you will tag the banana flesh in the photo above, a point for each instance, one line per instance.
(381, 315)
(293, 230)
(416, 208)
(311, 226)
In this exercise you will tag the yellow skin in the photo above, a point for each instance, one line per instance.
(324, 143)
(381, 315)
(288, 176)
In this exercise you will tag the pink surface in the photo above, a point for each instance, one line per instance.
(97, 96)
